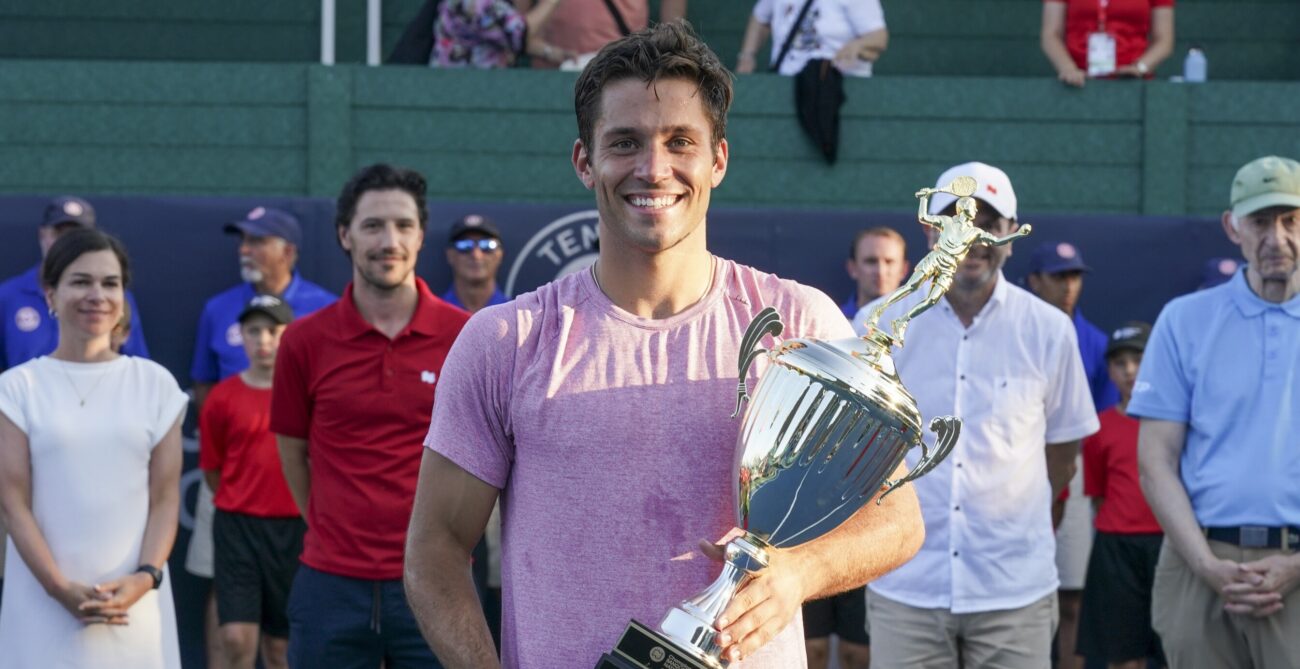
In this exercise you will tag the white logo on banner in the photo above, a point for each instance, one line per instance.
(563, 246)
(233, 337)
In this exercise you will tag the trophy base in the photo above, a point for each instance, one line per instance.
(643, 648)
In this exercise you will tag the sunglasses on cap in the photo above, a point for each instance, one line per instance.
(486, 245)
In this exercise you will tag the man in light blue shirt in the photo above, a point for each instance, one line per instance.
(1219, 444)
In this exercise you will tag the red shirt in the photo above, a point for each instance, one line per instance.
(362, 401)
(1110, 471)
(235, 439)
(1128, 21)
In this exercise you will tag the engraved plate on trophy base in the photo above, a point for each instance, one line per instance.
(643, 648)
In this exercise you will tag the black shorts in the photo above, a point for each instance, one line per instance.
(254, 560)
(844, 615)
(1115, 616)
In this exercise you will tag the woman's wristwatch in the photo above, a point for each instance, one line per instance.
(1141, 67)
(155, 573)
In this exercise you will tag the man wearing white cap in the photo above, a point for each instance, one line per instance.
(1217, 446)
(982, 590)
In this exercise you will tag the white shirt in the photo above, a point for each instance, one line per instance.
(1015, 379)
(829, 25)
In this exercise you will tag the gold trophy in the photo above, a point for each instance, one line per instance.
(827, 424)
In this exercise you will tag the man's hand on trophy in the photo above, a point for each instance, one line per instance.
(762, 607)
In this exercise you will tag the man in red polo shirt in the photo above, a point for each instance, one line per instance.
(354, 387)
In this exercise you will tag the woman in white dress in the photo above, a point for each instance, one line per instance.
(90, 463)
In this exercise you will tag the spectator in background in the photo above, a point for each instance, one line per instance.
(489, 34)
(1115, 619)
(1219, 413)
(90, 465)
(983, 589)
(1056, 272)
(474, 253)
(117, 339)
(579, 28)
(1106, 38)
(269, 240)
(877, 264)
(1217, 271)
(29, 330)
(354, 387)
(849, 32)
(257, 530)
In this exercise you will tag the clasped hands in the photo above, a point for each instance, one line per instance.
(762, 607)
(107, 602)
(1254, 588)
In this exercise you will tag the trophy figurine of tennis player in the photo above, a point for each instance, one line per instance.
(826, 425)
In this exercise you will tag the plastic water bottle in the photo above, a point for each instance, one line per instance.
(1194, 66)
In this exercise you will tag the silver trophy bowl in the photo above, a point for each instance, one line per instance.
(827, 424)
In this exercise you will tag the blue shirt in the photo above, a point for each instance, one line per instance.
(1226, 363)
(219, 350)
(850, 307)
(451, 298)
(30, 332)
(1092, 348)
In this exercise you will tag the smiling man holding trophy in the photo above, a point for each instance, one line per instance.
(598, 409)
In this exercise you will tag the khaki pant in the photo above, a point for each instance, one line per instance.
(1196, 631)
(906, 637)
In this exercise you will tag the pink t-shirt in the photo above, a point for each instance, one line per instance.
(610, 438)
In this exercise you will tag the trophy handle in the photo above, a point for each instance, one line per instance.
(768, 321)
(947, 429)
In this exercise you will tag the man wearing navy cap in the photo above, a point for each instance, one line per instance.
(29, 331)
(474, 253)
(268, 251)
(1056, 272)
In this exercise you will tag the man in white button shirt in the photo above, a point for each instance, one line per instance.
(982, 591)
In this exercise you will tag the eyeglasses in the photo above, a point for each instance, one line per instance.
(487, 245)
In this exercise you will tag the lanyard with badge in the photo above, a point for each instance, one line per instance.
(1101, 46)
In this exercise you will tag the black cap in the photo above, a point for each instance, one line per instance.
(473, 223)
(1132, 336)
(270, 306)
(268, 222)
(69, 209)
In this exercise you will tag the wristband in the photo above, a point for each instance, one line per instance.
(155, 573)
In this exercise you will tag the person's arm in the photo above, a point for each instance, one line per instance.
(1061, 465)
(923, 209)
(297, 469)
(865, 47)
(451, 509)
(1161, 45)
(875, 541)
(537, 16)
(1160, 447)
(212, 478)
(756, 33)
(159, 527)
(29, 541)
(1052, 40)
(1022, 231)
(671, 10)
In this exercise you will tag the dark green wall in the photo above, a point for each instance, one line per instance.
(1244, 39)
(224, 129)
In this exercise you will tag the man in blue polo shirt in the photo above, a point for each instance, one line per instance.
(475, 253)
(268, 251)
(29, 331)
(1218, 449)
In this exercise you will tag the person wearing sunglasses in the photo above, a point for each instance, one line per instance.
(474, 253)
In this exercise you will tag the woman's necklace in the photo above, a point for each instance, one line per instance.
(77, 390)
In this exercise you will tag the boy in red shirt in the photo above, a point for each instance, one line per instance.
(257, 530)
(1115, 620)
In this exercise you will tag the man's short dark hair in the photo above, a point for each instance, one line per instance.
(381, 176)
(669, 50)
(883, 231)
